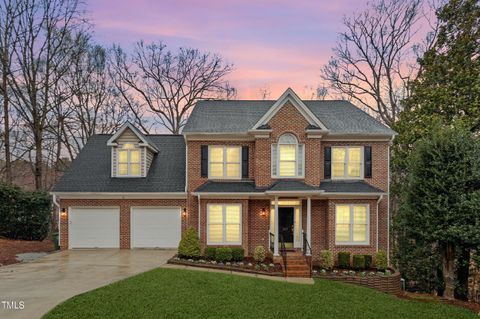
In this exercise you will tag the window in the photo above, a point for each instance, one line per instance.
(128, 160)
(225, 162)
(224, 224)
(287, 157)
(352, 224)
(347, 162)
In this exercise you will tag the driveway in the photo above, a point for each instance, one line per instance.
(47, 281)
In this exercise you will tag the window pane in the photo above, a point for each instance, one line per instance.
(122, 156)
(287, 152)
(354, 169)
(338, 169)
(233, 170)
(134, 169)
(232, 214)
(343, 214)
(342, 233)
(215, 233)
(122, 169)
(215, 214)
(233, 155)
(287, 168)
(233, 233)
(360, 233)
(354, 154)
(338, 154)
(135, 156)
(216, 154)
(359, 214)
(216, 170)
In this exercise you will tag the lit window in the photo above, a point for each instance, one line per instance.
(347, 162)
(287, 157)
(225, 162)
(128, 161)
(351, 224)
(224, 224)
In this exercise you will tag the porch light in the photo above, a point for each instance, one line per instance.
(264, 212)
(64, 212)
(184, 212)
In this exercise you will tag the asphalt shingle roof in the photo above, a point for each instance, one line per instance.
(228, 187)
(291, 185)
(348, 187)
(238, 116)
(91, 170)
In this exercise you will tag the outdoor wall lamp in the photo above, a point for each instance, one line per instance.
(64, 212)
(264, 212)
(184, 212)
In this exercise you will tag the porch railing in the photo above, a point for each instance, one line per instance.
(307, 252)
(272, 241)
(283, 253)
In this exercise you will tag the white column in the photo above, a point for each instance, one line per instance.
(275, 226)
(309, 223)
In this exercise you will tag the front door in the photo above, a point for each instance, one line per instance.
(285, 224)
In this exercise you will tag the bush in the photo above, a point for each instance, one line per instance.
(344, 260)
(24, 215)
(238, 254)
(326, 259)
(358, 262)
(368, 261)
(223, 254)
(209, 253)
(189, 246)
(259, 254)
(381, 260)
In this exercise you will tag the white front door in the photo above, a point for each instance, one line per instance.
(155, 227)
(95, 227)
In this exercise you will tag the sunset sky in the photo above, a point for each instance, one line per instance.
(273, 44)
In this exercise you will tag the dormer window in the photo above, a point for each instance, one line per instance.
(287, 157)
(129, 160)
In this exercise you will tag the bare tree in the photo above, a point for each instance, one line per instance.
(265, 93)
(168, 84)
(372, 62)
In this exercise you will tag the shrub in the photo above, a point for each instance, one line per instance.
(259, 254)
(359, 262)
(368, 261)
(237, 254)
(209, 253)
(223, 254)
(189, 246)
(344, 259)
(381, 260)
(24, 215)
(326, 259)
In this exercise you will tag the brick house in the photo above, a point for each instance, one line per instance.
(243, 173)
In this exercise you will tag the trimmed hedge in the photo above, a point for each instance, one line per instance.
(358, 262)
(24, 215)
(223, 254)
(238, 254)
(326, 259)
(368, 261)
(381, 260)
(189, 245)
(209, 253)
(344, 260)
(259, 254)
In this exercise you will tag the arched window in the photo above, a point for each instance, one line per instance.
(287, 157)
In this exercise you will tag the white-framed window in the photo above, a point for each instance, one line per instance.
(347, 162)
(129, 161)
(352, 224)
(225, 162)
(288, 157)
(224, 224)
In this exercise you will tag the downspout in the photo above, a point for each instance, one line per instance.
(378, 202)
(186, 165)
(55, 203)
(199, 214)
(388, 203)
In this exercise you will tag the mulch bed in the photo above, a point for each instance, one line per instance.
(424, 297)
(272, 271)
(9, 248)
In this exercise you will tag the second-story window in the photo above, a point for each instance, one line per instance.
(347, 162)
(224, 162)
(287, 157)
(128, 160)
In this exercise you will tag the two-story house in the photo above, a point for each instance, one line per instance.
(243, 173)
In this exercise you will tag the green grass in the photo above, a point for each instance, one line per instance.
(171, 293)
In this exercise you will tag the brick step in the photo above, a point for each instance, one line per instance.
(298, 269)
(304, 274)
(297, 263)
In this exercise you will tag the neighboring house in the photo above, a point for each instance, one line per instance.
(243, 173)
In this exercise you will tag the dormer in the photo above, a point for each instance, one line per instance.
(132, 152)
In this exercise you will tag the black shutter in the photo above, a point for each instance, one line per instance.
(245, 161)
(368, 161)
(327, 162)
(204, 156)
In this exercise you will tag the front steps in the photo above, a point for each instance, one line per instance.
(297, 265)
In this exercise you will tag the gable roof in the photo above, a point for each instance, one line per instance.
(240, 116)
(142, 137)
(91, 170)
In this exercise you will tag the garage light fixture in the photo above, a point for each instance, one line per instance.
(264, 212)
(184, 212)
(64, 212)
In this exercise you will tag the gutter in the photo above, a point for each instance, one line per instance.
(120, 195)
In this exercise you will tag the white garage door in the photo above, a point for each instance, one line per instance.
(94, 228)
(155, 227)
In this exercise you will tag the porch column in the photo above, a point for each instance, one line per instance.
(309, 223)
(275, 226)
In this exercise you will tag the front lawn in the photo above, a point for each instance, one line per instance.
(172, 293)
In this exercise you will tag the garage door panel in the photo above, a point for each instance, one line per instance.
(94, 228)
(155, 227)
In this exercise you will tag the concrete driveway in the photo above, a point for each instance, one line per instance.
(47, 281)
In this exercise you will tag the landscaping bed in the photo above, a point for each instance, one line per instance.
(248, 265)
(9, 249)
